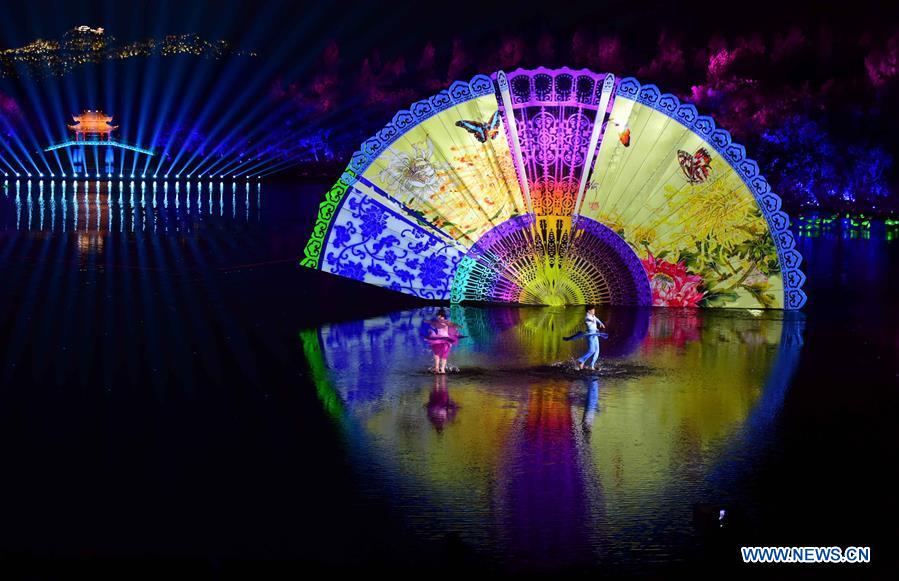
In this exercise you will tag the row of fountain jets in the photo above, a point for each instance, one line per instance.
(137, 198)
(110, 176)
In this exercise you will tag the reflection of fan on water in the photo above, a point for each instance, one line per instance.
(558, 187)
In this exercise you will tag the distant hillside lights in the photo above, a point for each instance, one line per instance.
(86, 39)
(83, 28)
(84, 45)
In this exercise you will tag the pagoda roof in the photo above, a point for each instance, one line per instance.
(93, 122)
(93, 116)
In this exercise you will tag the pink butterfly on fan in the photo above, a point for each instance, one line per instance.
(696, 167)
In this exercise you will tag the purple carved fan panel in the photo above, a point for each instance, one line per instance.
(511, 260)
(555, 112)
(555, 87)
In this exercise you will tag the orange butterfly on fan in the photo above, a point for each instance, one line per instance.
(624, 135)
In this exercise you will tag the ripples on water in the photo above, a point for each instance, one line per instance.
(174, 385)
(547, 469)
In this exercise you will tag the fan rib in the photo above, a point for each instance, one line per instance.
(513, 136)
(607, 85)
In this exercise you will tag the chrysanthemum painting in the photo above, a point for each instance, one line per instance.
(459, 187)
(413, 173)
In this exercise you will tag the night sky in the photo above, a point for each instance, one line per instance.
(811, 90)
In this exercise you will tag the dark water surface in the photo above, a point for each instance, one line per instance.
(176, 395)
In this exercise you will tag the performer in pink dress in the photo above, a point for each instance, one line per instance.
(442, 335)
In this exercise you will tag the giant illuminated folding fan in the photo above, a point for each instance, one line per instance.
(558, 187)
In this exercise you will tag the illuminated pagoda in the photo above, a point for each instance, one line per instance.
(92, 123)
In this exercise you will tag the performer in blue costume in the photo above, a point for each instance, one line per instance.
(593, 335)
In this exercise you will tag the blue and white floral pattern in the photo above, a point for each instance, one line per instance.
(370, 243)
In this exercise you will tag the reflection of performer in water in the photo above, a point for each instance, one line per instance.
(441, 335)
(592, 404)
(593, 336)
(441, 409)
